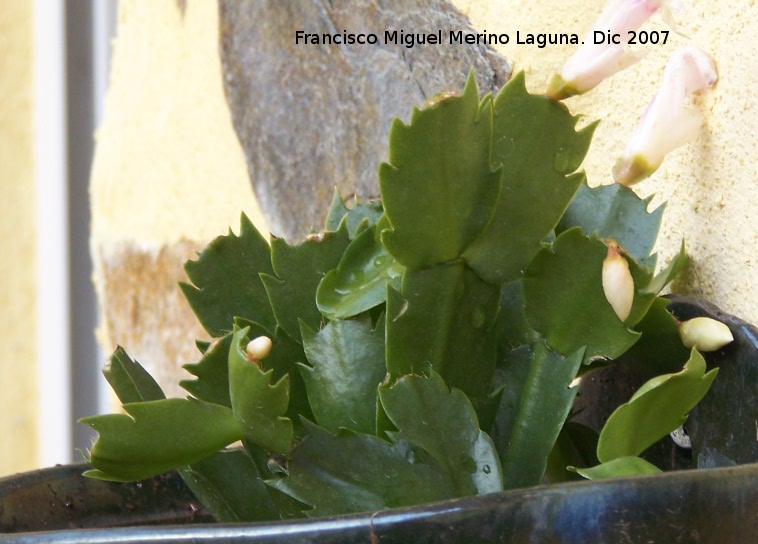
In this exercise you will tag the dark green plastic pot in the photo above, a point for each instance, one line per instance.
(696, 506)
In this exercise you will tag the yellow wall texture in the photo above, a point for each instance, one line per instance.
(710, 184)
(168, 165)
(18, 354)
(168, 176)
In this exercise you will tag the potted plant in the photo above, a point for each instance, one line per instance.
(423, 349)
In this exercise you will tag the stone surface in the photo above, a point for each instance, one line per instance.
(311, 117)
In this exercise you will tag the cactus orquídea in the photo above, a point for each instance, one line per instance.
(423, 347)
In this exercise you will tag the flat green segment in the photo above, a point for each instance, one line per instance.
(536, 141)
(361, 213)
(672, 270)
(158, 436)
(359, 282)
(444, 319)
(299, 270)
(620, 467)
(533, 412)
(350, 472)
(443, 422)
(230, 486)
(129, 380)
(565, 302)
(656, 409)
(259, 406)
(226, 283)
(438, 189)
(616, 212)
(347, 358)
(211, 382)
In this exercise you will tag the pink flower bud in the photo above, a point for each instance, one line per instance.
(595, 61)
(666, 123)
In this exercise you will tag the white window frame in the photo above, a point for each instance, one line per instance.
(62, 391)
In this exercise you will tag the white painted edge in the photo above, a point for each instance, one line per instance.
(104, 22)
(53, 301)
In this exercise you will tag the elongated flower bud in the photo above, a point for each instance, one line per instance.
(666, 122)
(595, 60)
(618, 284)
(258, 348)
(705, 334)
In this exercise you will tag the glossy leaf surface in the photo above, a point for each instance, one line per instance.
(353, 217)
(359, 282)
(347, 366)
(226, 283)
(618, 468)
(535, 140)
(565, 301)
(657, 408)
(231, 487)
(438, 189)
(129, 380)
(299, 270)
(615, 212)
(444, 319)
(158, 436)
(539, 400)
(259, 406)
(349, 472)
(443, 422)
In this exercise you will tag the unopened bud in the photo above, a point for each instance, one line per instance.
(618, 284)
(666, 123)
(594, 60)
(705, 334)
(258, 348)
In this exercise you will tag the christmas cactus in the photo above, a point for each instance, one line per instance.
(425, 346)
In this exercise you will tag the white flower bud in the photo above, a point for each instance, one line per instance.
(258, 348)
(705, 334)
(594, 62)
(618, 284)
(666, 123)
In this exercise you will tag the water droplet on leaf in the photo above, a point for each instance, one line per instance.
(410, 456)
(562, 162)
(477, 317)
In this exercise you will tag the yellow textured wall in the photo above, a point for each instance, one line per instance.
(18, 354)
(168, 176)
(168, 164)
(710, 185)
